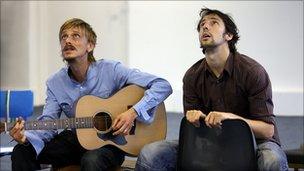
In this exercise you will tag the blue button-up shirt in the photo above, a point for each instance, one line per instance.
(104, 78)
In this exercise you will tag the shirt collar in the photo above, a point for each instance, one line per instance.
(91, 73)
(227, 68)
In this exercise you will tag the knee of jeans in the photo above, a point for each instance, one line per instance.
(147, 152)
(273, 162)
(157, 156)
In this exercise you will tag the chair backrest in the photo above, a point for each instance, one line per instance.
(15, 103)
(232, 147)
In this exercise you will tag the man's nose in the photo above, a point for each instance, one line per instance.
(68, 42)
(205, 26)
(65, 43)
(68, 39)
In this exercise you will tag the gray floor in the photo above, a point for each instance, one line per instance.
(290, 131)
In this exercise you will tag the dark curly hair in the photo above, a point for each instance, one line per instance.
(230, 27)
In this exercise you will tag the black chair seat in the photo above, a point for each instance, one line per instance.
(231, 148)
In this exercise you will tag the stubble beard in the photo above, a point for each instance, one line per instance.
(68, 59)
(207, 46)
(210, 46)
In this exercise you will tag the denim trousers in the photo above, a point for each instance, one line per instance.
(162, 156)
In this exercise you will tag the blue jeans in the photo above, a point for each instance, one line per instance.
(162, 156)
(270, 156)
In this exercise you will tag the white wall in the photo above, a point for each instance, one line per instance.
(163, 40)
(12, 61)
(155, 36)
(29, 38)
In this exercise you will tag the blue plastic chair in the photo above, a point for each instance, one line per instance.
(14, 104)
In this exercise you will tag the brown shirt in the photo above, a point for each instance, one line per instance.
(243, 88)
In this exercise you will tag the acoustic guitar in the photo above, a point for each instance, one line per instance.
(94, 117)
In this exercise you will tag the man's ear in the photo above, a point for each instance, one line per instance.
(228, 36)
(90, 47)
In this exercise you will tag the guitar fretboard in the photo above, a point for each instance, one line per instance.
(85, 122)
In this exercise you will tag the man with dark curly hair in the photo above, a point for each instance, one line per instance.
(223, 85)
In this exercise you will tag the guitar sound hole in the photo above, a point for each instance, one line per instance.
(102, 121)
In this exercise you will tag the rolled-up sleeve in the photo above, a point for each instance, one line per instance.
(260, 95)
(157, 90)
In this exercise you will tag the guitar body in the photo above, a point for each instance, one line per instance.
(94, 117)
(89, 106)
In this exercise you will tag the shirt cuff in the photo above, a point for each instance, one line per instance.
(145, 114)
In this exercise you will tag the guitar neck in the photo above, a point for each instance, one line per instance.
(69, 123)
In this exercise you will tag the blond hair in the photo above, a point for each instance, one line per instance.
(89, 32)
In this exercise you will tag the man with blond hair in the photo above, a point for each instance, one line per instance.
(83, 75)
